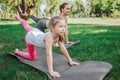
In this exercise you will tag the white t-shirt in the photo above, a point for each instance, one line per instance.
(36, 37)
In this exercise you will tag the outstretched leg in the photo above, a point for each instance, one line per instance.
(30, 55)
(26, 26)
(31, 16)
(34, 18)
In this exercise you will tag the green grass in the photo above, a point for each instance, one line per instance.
(97, 42)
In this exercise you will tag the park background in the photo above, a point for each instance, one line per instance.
(96, 23)
(79, 8)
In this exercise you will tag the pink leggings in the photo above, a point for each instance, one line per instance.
(31, 54)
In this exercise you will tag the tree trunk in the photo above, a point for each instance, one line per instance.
(108, 12)
(22, 6)
(21, 9)
(79, 10)
(93, 12)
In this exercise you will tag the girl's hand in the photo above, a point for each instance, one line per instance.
(55, 74)
(72, 63)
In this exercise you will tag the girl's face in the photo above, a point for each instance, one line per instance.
(59, 28)
(66, 10)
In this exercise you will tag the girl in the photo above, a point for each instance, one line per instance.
(42, 23)
(35, 37)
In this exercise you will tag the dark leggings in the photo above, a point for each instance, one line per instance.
(41, 22)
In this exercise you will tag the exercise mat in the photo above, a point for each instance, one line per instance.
(87, 70)
(69, 45)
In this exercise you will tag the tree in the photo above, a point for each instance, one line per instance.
(8, 7)
(20, 6)
(26, 7)
(53, 6)
(78, 2)
(93, 4)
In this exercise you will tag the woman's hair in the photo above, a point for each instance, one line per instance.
(53, 21)
(62, 6)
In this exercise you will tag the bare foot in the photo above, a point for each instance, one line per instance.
(25, 14)
(16, 50)
(20, 9)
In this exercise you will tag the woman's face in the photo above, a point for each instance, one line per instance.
(66, 10)
(59, 28)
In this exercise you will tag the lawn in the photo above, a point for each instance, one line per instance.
(98, 42)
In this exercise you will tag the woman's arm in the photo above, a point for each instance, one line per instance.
(64, 51)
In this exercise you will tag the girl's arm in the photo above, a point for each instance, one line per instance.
(48, 42)
(65, 52)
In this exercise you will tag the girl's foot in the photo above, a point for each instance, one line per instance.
(16, 50)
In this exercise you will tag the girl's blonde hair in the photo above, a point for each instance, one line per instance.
(53, 21)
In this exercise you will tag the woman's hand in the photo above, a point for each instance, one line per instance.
(55, 74)
(73, 63)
